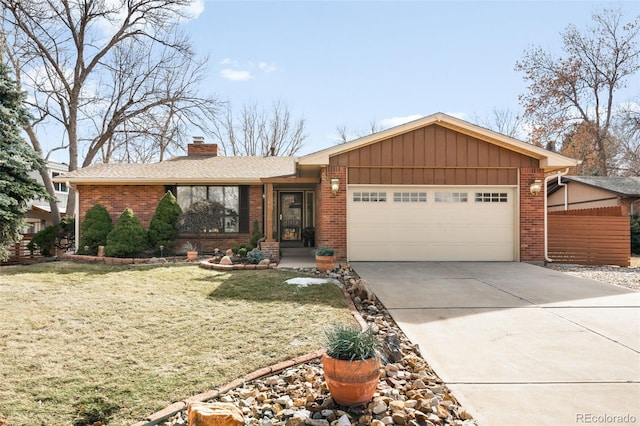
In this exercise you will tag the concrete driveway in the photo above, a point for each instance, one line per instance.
(519, 344)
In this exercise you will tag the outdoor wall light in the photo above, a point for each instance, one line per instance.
(536, 187)
(335, 185)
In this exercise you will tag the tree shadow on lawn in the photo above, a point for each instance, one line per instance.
(269, 286)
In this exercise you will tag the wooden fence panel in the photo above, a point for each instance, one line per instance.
(19, 253)
(598, 211)
(589, 240)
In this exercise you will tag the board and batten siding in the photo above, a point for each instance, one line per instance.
(433, 155)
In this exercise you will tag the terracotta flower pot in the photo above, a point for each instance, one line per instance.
(351, 382)
(325, 263)
(192, 255)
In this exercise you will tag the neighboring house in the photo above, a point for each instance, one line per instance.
(38, 215)
(586, 192)
(437, 188)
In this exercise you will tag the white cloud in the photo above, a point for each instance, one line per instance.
(386, 123)
(235, 75)
(230, 62)
(232, 72)
(194, 9)
(267, 67)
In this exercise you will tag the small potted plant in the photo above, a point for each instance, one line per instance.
(192, 253)
(325, 259)
(352, 363)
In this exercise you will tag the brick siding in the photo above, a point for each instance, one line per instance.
(531, 217)
(143, 200)
(331, 221)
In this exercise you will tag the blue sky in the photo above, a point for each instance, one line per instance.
(349, 63)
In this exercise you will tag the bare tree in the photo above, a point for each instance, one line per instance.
(579, 86)
(503, 121)
(260, 132)
(344, 135)
(102, 68)
(628, 131)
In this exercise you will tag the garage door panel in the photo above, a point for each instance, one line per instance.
(410, 225)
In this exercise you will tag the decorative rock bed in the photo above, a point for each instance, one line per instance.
(408, 393)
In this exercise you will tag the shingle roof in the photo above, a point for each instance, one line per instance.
(187, 170)
(629, 186)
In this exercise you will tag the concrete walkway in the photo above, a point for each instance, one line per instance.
(297, 257)
(520, 344)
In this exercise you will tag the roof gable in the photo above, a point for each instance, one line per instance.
(548, 160)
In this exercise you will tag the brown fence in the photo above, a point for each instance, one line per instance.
(19, 253)
(600, 236)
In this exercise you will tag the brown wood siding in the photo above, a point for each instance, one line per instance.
(433, 155)
(590, 237)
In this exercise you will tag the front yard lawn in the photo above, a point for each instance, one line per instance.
(81, 343)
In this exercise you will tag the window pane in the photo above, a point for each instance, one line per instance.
(232, 199)
(231, 224)
(216, 193)
(198, 193)
(183, 196)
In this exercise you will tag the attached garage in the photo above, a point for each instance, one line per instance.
(435, 189)
(418, 223)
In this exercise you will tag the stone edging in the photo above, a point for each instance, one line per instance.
(176, 407)
(125, 260)
(236, 266)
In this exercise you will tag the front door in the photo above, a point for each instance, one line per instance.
(291, 216)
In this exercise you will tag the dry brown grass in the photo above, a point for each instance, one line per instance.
(82, 343)
(635, 261)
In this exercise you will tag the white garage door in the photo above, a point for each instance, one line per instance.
(391, 223)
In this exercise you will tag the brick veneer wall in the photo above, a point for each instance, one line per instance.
(143, 200)
(331, 222)
(531, 217)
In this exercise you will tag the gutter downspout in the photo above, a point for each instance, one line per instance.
(566, 192)
(546, 214)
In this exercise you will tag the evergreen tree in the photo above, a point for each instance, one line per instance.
(128, 238)
(94, 229)
(17, 159)
(163, 227)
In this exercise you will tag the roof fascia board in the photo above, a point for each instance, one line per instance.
(146, 181)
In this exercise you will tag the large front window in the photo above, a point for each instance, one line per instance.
(226, 197)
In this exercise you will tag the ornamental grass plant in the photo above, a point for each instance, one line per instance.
(350, 343)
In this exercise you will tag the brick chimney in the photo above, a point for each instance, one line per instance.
(200, 149)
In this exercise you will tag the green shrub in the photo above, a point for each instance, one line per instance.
(250, 247)
(255, 256)
(61, 236)
(635, 234)
(94, 229)
(255, 234)
(163, 229)
(242, 252)
(44, 240)
(128, 238)
(235, 249)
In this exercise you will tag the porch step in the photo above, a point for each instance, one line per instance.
(298, 251)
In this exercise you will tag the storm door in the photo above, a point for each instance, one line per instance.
(291, 216)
